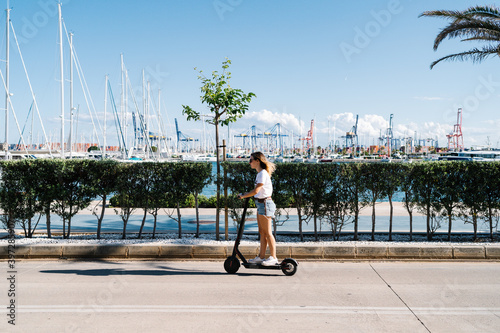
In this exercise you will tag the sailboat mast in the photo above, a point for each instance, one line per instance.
(122, 105)
(62, 79)
(71, 108)
(103, 155)
(7, 92)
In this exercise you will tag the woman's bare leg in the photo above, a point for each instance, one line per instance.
(266, 236)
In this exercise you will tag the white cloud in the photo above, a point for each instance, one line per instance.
(266, 119)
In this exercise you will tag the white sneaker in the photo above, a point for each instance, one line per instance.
(256, 260)
(271, 261)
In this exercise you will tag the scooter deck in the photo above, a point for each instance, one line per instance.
(260, 266)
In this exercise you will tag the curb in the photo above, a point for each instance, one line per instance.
(312, 252)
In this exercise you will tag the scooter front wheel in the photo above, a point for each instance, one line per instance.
(231, 265)
(289, 267)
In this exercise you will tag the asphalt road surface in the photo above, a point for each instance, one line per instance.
(189, 296)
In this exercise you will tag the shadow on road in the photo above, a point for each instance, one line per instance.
(159, 271)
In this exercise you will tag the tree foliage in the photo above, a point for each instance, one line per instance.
(476, 24)
(226, 104)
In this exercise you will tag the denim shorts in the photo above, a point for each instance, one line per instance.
(266, 208)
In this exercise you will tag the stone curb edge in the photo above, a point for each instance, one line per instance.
(140, 251)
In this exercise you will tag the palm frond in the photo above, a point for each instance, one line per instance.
(483, 12)
(469, 29)
(442, 13)
(478, 12)
(476, 55)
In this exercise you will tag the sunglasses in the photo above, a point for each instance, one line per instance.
(252, 159)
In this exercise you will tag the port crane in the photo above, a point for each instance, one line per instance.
(455, 138)
(389, 135)
(309, 139)
(182, 138)
(351, 137)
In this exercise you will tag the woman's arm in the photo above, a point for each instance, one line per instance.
(252, 192)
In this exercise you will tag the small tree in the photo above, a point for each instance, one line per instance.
(449, 186)
(158, 191)
(45, 175)
(226, 104)
(408, 180)
(356, 187)
(316, 178)
(474, 194)
(426, 194)
(392, 183)
(177, 176)
(201, 176)
(373, 177)
(18, 196)
(103, 178)
(336, 201)
(126, 197)
(293, 176)
(74, 191)
(145, 184)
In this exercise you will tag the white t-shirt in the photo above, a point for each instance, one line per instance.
(267, 190)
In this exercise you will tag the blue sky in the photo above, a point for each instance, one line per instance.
(322, 60)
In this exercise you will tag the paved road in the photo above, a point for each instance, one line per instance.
(175, 296)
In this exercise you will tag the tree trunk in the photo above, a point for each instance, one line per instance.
(373, 220)
(155, 218)
(143, 222)
(474, 222)
(217, 236)
(197, 215)
(99, 221)
(429, 234)
(411, 224)
(69, 222)
(315, 228)
(179, 219)
(299, 215)
(450, 221)
(356, 222)
(390, 217)
(47, 218)
(490, 217)
(125, 220)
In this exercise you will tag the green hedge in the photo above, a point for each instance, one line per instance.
(335, 193)
(32, 188)
(332, 193)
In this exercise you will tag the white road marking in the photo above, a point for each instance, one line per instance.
(441, 311)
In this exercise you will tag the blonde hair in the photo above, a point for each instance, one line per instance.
(264, 163)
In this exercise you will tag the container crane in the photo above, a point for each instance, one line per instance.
(182, 137)
(455, 138)
(389, 135)
(309, 137)
(351, 137)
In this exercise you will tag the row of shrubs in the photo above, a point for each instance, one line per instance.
(331, 193)
(32, 188)
(335, 193)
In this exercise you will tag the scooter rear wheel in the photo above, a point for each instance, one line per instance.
(231, 265)
(289, 267)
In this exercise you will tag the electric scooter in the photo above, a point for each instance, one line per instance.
(288, 266)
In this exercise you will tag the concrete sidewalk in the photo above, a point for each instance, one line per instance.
(185, 252)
